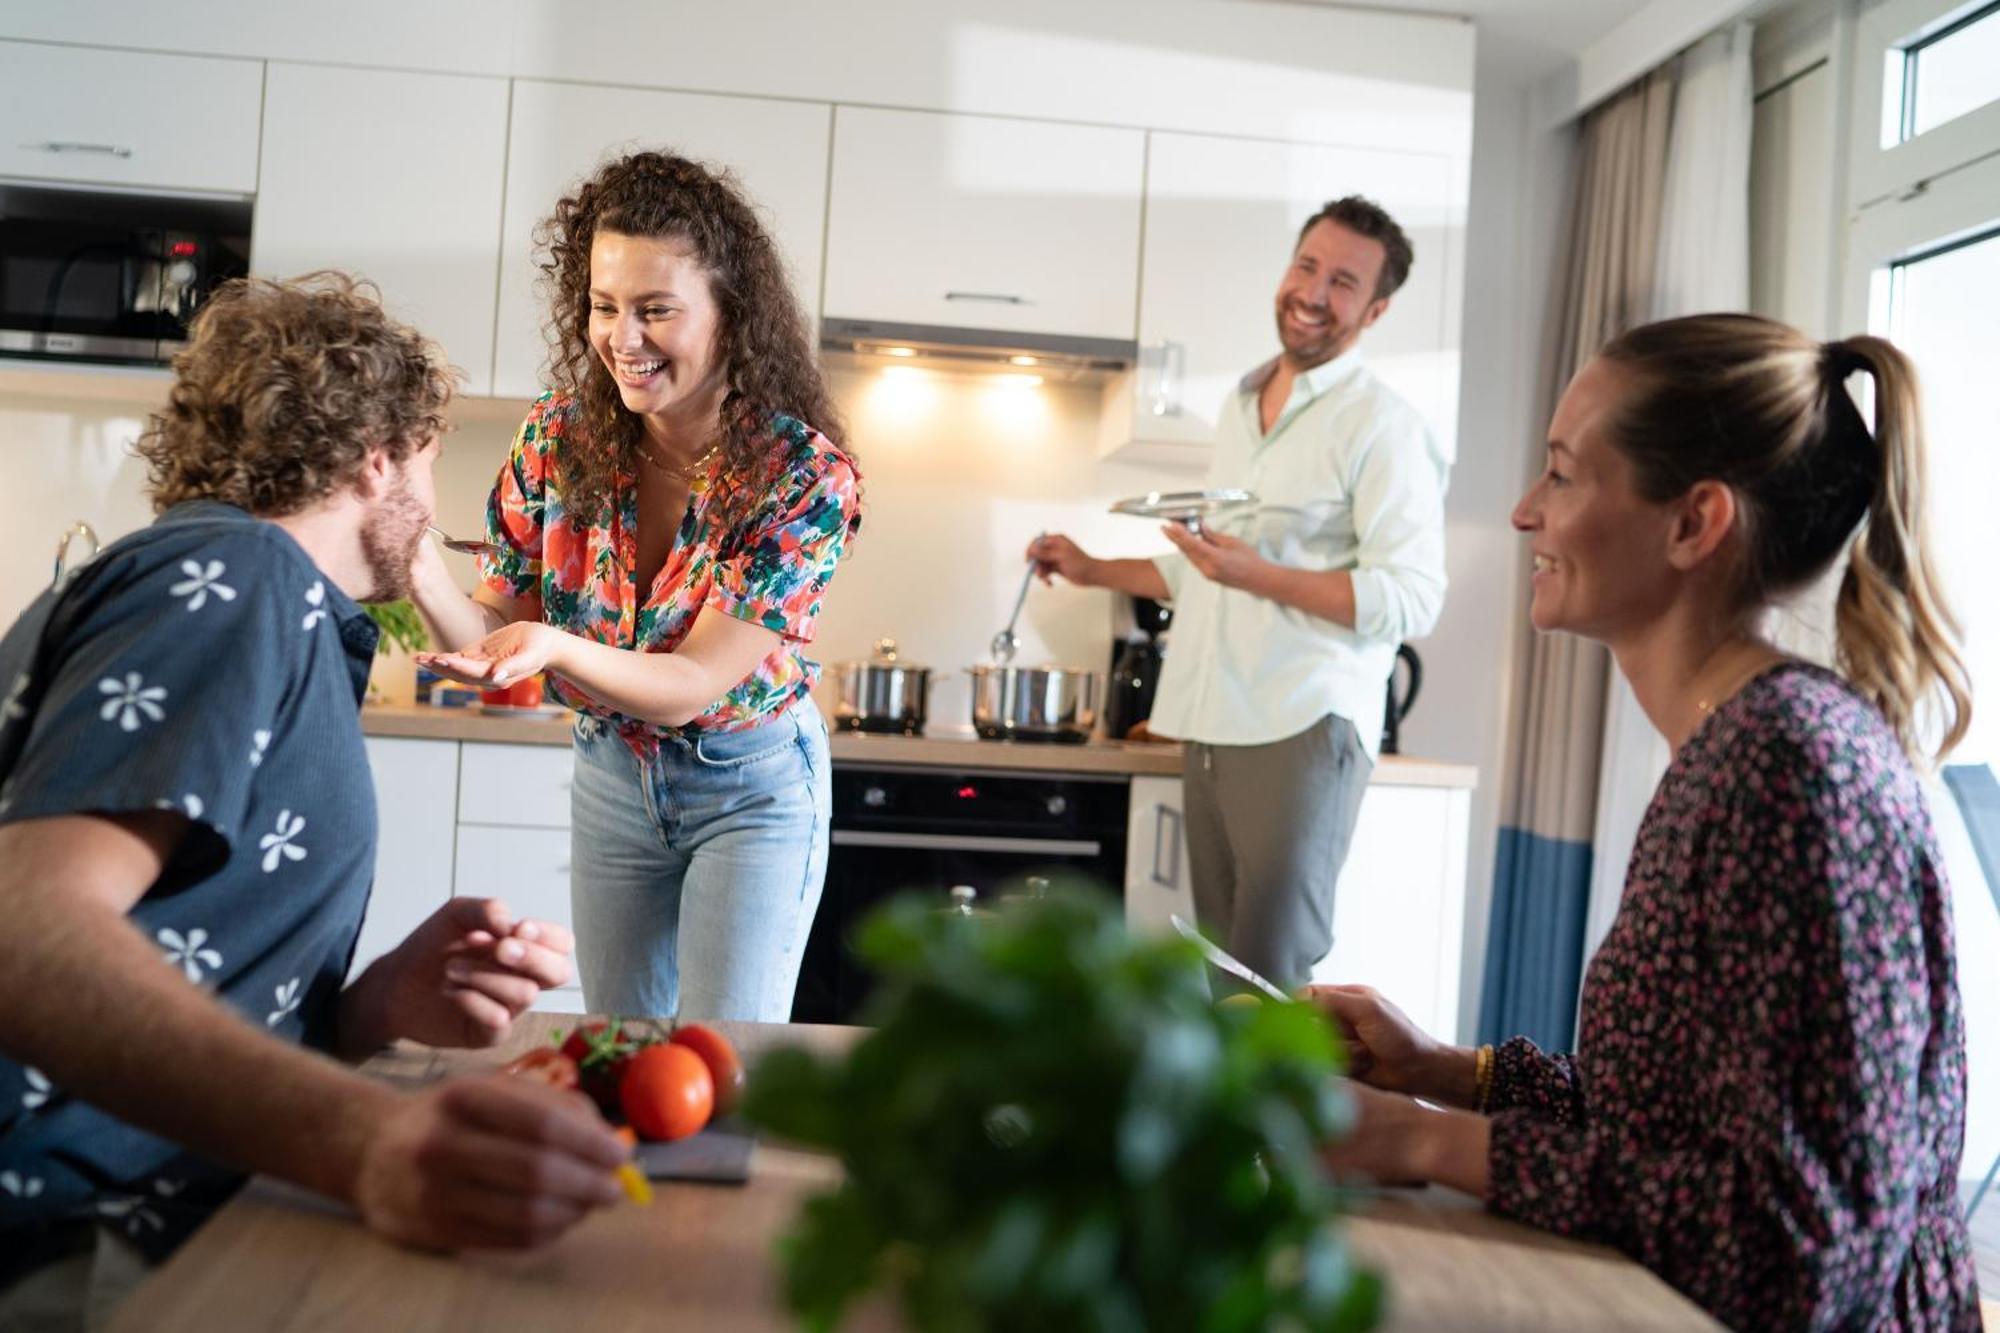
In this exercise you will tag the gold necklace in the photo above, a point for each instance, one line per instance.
(1735, 681)
(686, 473)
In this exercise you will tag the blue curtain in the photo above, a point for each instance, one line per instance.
(1534, 944)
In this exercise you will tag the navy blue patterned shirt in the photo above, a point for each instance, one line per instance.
(205, 665)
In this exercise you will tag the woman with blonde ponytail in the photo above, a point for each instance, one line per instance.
(1767, 1101)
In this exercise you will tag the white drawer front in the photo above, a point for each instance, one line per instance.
(124, 118)
(528, 869)
(525, 786)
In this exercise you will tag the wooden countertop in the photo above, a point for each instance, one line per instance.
(941, 751)
(701, 1256)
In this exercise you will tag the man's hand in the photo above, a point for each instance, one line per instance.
(460, 979)
(1055, 554)
(510, 653)
(1217, 556)
(494, 1161)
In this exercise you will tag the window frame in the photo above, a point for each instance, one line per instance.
(1879, 175)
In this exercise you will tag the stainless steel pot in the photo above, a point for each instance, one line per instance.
(882, 694)
(1043, 703)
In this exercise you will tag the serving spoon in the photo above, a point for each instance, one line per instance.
(1006, 643)
(456, 544)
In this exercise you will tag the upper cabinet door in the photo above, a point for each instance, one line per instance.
(561, 134)
(979, 222)
(123, 118)
(1222, 217)
(396, 178)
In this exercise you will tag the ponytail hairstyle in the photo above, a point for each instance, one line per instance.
(761, 333)
(1764, 409)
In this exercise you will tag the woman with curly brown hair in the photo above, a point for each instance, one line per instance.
(663, 529)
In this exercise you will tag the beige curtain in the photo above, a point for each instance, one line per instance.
(1542, 879)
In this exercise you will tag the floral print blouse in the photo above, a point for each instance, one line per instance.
(1767, 1102)
(770, 571)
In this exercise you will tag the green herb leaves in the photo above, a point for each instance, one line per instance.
(1052, 1127)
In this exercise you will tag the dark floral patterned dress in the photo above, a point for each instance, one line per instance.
(1767, 1102)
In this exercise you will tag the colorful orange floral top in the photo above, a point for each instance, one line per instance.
(770, 570)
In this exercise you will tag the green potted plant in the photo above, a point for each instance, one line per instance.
(1052, 1127)
(400, 625)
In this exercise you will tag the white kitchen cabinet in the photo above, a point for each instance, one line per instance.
(515, 785)
(1399, 908)
(1222, 217)
(513, 837)
(983, 222)
(395, 177)
(528, 869)
(563, 132)
(1156, 863)
(416, 793)
(125, 118)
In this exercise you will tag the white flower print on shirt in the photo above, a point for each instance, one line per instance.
(131, 1209)
(189, 952)
(12, 707)
(200, 582)
(260, 740)
(39, 1089)
(20, 1186)
(189, 805)
(278, 845)
(288, 1003)
(129, 699)
(315, 597)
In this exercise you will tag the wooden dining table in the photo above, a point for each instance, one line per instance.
(702, 1256)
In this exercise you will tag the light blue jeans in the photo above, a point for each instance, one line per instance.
(694, 878)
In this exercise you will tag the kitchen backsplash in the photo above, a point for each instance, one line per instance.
(960, 474)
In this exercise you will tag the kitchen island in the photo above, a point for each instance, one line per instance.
(701, 1256)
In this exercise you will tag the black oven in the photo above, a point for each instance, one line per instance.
(93, 275)
(928, 829)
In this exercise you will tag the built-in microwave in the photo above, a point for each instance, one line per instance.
(92, 275)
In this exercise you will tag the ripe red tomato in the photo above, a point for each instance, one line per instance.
(667, 1092)
(546, 1065)
(724, 1066)
(602, 1051)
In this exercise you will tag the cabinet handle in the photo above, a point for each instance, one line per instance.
(1168, 841)
(992, 298)
(71, 146)
(1167, 389)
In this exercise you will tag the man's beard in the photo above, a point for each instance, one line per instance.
(1315, 349)
(389, 540)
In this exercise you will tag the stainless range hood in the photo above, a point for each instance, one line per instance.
(1052, 355)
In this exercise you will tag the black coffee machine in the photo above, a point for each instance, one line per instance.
(1136, 654)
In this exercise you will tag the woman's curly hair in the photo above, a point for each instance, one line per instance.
(282, 391)
(760, 337)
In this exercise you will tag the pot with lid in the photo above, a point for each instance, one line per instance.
(883, 694)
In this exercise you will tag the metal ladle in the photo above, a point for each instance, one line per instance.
(1005, 643)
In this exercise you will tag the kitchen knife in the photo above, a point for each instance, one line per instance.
(1223, 959)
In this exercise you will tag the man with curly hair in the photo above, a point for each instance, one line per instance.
(187, 837)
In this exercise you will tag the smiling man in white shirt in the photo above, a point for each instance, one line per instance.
(1287, 615)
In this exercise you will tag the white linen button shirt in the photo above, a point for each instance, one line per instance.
(1350, 478)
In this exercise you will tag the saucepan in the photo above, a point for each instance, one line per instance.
(883, 694)
(1041, 703)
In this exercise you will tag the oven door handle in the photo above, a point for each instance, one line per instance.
(955, 842)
